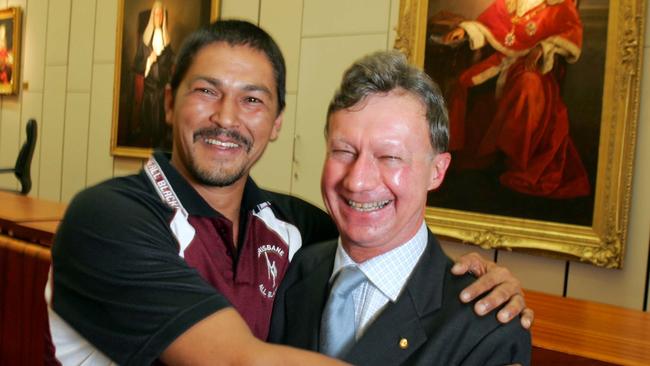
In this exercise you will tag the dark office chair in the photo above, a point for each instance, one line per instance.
(22, 170)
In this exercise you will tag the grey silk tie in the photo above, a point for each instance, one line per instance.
(337, 324)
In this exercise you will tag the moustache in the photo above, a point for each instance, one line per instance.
(213, 133)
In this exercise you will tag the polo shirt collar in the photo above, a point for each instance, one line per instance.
(192, 200)
(253, 196)
(193, 203)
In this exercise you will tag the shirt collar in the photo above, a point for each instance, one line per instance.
(398, 262)
(192, 200)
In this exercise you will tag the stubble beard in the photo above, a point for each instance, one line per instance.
(220, 176)
(217, 178)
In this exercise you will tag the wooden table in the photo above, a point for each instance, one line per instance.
(28, 218)
(40, 232)
(30, 224)
(577, 332)
(19, 208)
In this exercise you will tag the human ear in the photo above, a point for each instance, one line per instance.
(277, 125)
(440, 164)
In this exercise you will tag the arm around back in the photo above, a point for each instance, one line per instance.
(224, 338)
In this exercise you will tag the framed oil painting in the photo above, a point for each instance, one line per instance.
(543, 99)
(149, 33)
(10, 29)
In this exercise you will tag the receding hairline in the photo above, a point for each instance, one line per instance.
(362, 103)
(397, 91)
(385, 71)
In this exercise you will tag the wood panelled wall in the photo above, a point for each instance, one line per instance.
(68, 70)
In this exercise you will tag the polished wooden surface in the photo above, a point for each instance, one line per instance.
(20, 246)
(591, 330)
(18, 208)
(41, 232)
(544, 357)
(28, 218)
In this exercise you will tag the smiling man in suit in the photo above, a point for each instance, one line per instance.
(383, 293)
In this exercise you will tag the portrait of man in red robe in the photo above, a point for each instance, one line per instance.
(530, 124)
(520, 122)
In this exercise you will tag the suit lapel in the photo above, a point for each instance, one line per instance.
(401, 322)
(306, 300)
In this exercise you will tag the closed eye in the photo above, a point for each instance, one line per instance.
(391, 158)
(342, 153)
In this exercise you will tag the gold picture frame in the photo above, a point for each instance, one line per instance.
(138, 118)
(10, 37)
(603, 242)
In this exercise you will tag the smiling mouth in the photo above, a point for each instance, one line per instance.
(368, 206)
(224, 144)
(216, 136)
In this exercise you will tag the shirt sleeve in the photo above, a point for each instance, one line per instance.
(118, 278)
(314, 224)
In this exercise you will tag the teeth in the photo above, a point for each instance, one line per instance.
(369, 206)
(221, 143)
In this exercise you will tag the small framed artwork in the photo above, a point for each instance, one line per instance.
(543, 99)
(149, 33)
(10, 28)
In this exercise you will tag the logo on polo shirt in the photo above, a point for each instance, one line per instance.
(269, 254)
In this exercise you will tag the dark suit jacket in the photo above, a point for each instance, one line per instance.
(440, 330)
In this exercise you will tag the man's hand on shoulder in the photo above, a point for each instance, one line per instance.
(503, 287)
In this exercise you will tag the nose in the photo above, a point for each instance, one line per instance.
(225, 113)
(362, 174)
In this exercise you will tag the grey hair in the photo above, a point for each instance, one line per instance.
(385, 71)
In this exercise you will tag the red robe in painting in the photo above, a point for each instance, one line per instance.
(527, 121)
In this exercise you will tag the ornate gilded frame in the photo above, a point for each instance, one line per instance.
(117, 148)
(602, 243)
(12, 17)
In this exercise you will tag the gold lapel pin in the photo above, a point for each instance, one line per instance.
(403, 343)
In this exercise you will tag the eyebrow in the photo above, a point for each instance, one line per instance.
(247, 87)
(259, 88)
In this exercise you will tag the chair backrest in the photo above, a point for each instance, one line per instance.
(24, 160)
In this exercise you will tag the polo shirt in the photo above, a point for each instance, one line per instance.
(131, 273)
